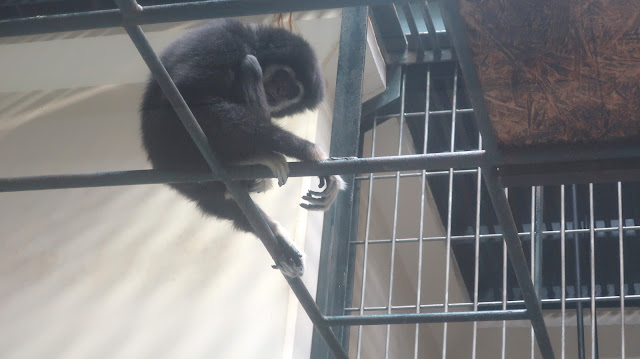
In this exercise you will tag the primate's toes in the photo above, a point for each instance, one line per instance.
(290, 262)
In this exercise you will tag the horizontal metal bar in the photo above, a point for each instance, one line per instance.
(466, 160)
(297, 169)
(610, 298)
(180, 11)
(408, 57)
(416, 174)
(413, 318)
(498, 235)
(421, 114)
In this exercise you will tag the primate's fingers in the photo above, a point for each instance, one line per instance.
(282, 168)
(276, 162)
(321, 201)
(278, 165)
(322, 181)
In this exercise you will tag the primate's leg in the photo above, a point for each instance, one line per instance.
(291, 261)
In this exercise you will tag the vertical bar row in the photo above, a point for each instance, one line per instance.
(365, 255)
(395, 213)
(621, 251)
(449, 211)
(423, 184)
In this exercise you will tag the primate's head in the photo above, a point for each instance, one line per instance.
(282, 87)
(291, 75)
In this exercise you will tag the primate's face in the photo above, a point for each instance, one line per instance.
(281, 87)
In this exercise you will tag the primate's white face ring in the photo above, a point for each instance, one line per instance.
(268, 73)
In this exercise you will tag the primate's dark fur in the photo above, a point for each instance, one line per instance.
(218, 69)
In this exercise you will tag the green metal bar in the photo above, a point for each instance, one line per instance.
(333, 270)
(178, 11)
(413, 318)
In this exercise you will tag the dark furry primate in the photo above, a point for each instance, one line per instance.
(236, 78)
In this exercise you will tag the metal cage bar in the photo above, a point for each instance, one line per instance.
(621, 254)
(336, 230)
(518, 261)
(423, 183)
(395, 212)
(563, 273)
(180, 11)
(448, 254)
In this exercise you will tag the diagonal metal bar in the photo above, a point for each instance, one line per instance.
(518, 261)
(240, 195)
(414, 318)
(455, 27)
(178, 11)
(410, 15)
(433, 36)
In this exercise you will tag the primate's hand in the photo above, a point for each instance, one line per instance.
(321, 201)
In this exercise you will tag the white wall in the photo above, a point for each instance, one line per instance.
(134, 272)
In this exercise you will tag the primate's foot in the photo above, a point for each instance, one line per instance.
(291, 260)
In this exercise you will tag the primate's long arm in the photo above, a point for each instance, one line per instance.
(252, 87)
(252, 126)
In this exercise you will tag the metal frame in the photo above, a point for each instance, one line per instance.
(333, 273)
(130, 15)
